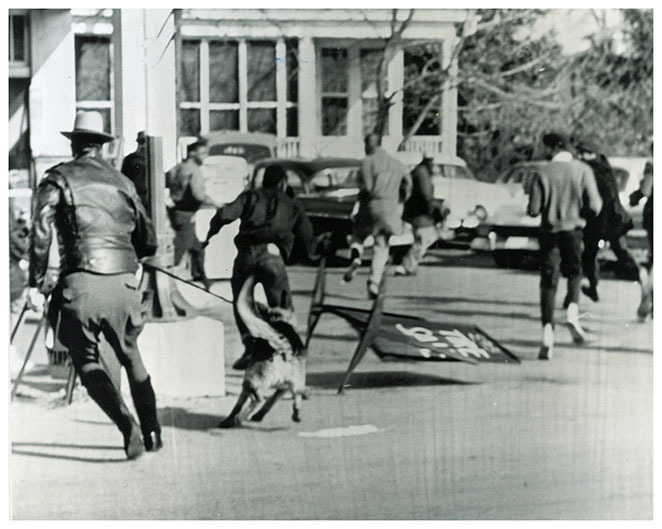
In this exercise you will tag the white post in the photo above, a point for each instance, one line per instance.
(449, 100)
(308, 127)
(281, 89)
(396, 80)
(129, 71)
(160, 81)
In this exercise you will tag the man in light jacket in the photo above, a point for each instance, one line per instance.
(561, 192)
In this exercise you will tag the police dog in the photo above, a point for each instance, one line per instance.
(278, 360)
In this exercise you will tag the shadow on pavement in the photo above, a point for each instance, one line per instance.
(379, 379)
(187, 420)
(535, 344)
(48, 455)
(458, 299)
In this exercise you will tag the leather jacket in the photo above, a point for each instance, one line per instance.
(101, 223)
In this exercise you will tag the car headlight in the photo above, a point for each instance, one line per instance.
(471, 221)
(480, 212)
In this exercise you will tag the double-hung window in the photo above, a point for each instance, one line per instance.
(94, 77)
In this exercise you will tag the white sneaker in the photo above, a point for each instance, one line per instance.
(572, 322)
(547, 348)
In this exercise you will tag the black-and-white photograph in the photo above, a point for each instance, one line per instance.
(330, 263)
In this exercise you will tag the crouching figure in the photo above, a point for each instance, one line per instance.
(277, 360)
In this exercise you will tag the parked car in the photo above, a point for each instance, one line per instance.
(328, 190)
(252, 146)
(470, 201)
(513, 234)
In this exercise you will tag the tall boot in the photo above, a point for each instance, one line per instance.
(103, 392)
(145, 402)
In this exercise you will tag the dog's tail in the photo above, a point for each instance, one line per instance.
(257, 326)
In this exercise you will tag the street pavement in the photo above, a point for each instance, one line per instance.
(571, 438)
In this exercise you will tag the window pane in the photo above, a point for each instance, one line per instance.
(333, 66)
(18, 22)
(189, 122)
(334, 116)
(262, 120)
(292, 66)
(370, 113)
(261, 75)
(369, 69)
(224, 120)
(190, 70)
(92, 69)
(292, 122)
(223, 72)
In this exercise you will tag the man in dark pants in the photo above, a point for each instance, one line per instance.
(424, 213)
(271, 220)
(646, 272)
(102, 230)
(134, 167)
(611, 224)
(560, 191)
(187, 192)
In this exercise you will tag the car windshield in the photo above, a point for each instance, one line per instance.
(453, 171)
(293, 179)
(334, 178)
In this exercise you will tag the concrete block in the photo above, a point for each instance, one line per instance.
(185, 358)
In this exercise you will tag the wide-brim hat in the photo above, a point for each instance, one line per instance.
(90, 125)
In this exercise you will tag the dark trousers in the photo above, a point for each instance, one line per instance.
(589, 256)
(186, 241)
(269, 270)
(110, 305)
(561, 254)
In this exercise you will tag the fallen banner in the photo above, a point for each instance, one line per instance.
(406, 337)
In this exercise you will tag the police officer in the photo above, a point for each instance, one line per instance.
(135, 167)
(187, 192)
(271, 220)
(103, 231)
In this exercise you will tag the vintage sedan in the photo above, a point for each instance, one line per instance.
(513, 234)
(328, 190)
(470, 201)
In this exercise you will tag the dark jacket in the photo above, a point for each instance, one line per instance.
(562, 191)
(187, 186)
(134, 167)
(613, 221)
(422, 209)
(101, 223)
(267, 216)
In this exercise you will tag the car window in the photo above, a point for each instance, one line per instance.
(456, 172)
(251, 152)
(334, 178)
(293, 179)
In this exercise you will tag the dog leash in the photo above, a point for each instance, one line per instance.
(174, 276)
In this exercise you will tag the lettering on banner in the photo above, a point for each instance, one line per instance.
(425, 335)
(464, 345)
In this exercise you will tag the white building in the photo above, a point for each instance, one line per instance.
(305, 75)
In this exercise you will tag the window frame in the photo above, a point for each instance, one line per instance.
(19, 68)
(205, 106)
(88, 104)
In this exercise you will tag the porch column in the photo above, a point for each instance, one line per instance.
(308, 128)
(449, 100)
(129, 72)
(396, 79)
(281, 89)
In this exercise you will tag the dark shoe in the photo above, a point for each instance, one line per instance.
(545, 352)
(590, 292)
(373, 290)
(242, 362)
(103, 392)
(144, 401)
(353, 267)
